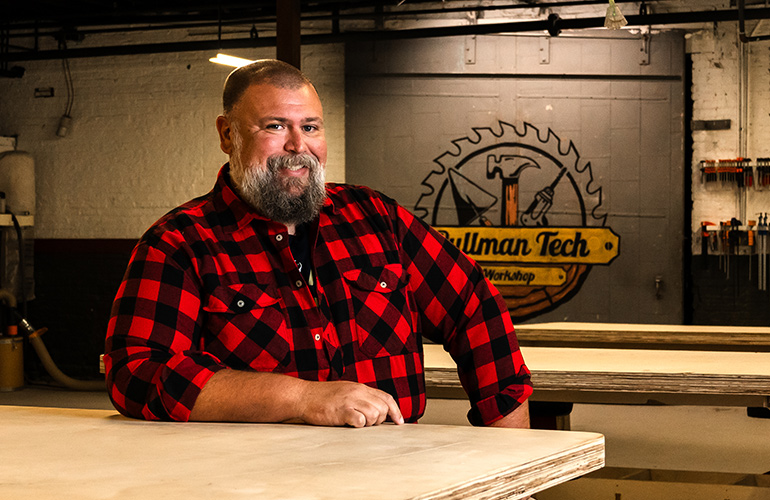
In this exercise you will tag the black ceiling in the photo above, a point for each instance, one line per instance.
(47, 14)
(30, 29)
(57, 13)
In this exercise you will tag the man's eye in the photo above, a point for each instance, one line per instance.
(309, 128)
(274, 126)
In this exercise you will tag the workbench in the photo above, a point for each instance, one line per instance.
(626, 376)
(96, 454)
(645, 336)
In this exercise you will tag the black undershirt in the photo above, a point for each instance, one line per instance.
(299, 243)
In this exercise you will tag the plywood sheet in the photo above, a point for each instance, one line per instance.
(97, 454)
(645, 335)
(722, 373)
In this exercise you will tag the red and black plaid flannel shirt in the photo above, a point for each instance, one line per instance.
(213, 285)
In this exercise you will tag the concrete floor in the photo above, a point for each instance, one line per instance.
(56, 398)
(685, 438)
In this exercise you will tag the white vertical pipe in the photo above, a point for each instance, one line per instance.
(743, 119)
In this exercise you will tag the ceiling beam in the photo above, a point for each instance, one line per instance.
(288, 32)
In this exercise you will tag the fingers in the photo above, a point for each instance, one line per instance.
(386, 407)
(394, 411)
(373, 407)
(354, 418)
(348, 403)
(389, 409)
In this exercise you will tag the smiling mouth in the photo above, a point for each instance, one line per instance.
(294, 165)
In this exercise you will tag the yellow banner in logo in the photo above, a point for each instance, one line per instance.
(527, 276)
(547, 245)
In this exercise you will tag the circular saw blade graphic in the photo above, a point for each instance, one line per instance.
(546, 177)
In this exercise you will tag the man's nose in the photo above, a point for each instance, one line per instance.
(295, 142)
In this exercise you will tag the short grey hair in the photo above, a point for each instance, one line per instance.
(270, 71)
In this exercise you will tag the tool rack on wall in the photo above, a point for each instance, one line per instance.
(738, 172)
(746, 234)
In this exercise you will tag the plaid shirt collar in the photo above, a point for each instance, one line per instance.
(226, 200)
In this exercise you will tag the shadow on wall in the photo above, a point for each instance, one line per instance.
(722, 298)
(75, 283)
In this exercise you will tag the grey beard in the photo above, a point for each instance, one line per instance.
(274, 196)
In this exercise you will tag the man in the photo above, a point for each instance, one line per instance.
(278, 298)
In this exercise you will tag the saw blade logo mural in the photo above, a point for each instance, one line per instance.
(526, 209)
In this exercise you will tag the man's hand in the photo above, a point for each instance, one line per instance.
(347, 403)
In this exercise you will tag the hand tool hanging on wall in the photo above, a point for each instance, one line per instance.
(765, 235)
(733, 241)
(708, 171)
(737, 172)
(724, 256)
(720, 245)
(723, 170)
(707, 239)
(758, 171)
(750, 242)
(748, 174)
(704, 237)
(762, 251)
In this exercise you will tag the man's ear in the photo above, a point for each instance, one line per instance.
(225, 134)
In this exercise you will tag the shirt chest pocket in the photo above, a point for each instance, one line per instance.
(246, 327)
(380, 308)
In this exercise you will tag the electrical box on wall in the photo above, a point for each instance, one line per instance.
(7, 144)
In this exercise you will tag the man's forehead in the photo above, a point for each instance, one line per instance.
(269, 99)
(268, 91)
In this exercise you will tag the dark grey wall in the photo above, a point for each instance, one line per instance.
(420, 106)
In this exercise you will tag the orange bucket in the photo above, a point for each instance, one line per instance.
(11, 363)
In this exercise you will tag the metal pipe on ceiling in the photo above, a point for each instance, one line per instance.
(196, 19)
(742, 28)
(251, 12)
(552, 25)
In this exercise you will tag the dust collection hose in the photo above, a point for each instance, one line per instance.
(42, 352)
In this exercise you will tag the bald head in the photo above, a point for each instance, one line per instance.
(264, 71)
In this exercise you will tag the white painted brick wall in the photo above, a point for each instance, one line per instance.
(143, 138)
(715, 91)
(759, 119)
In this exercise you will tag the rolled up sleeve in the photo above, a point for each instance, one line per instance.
(154, 366)
(462, 310)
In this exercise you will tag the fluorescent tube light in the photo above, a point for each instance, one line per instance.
(226, 60)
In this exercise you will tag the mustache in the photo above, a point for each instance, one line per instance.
(277, 162)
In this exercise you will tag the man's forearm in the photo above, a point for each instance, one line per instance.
(240, 396)
(518, 418)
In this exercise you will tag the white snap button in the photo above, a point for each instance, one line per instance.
(298, 283)
(317, 337)
(383, 284)
(240, 303)
(278, 237)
